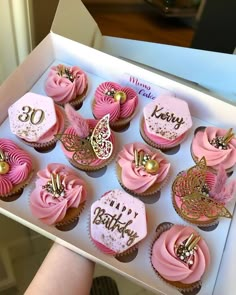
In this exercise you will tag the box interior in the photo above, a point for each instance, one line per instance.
(205, 109)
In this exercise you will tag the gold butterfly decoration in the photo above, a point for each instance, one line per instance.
(196, 205)
(191, 187)
(88, 149)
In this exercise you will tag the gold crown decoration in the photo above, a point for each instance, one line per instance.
(192, 188)
(95, 146)
(4, 165)
(186, 250)
(55, 187)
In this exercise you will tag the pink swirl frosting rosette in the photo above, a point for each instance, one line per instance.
(169, 266)
(50, 209)
(137, 179)
(64, 83)
(201, 146)
(20, 167)
(107, 104)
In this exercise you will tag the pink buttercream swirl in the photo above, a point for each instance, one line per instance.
(214, 156)
(64, 88)
(166, 262)
(106, 104)
(20, 165)
(71, 131)
(48, 208)
(138, 179)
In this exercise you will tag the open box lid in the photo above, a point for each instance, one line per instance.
(198, 68)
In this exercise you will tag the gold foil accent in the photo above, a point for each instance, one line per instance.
(55, 186)
(141, 155)
(136, 158)
(141, 159)
(86, 150)
(194, 243)
(2, 156)
(228, 136)
(185, 251)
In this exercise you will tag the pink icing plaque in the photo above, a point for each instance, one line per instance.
(32, 116)
(168, 117)
(118, 221)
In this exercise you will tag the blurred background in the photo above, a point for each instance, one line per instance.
(204, 24)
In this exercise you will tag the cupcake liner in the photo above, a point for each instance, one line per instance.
(71, 218)
(78, 101)
(156, 145)
(18, 190)
(180, 286)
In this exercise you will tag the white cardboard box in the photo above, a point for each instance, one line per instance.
(206, 109)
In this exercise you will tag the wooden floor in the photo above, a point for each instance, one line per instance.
(141, 22)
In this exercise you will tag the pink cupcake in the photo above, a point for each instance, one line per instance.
(87, 144)
(117, 223)
(67, 84)
(35, 119)
(217, 145)
(180, 256)
(200, 196)
(59, 196)
(165, 122)
(16, 170)
(141, 170)
(117, 101)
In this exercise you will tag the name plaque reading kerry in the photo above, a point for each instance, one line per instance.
(167, 117)
(118, 221)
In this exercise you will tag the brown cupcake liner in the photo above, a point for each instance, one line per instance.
(156, 145)
(178, 285)
(18, 190)
(71, 218)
